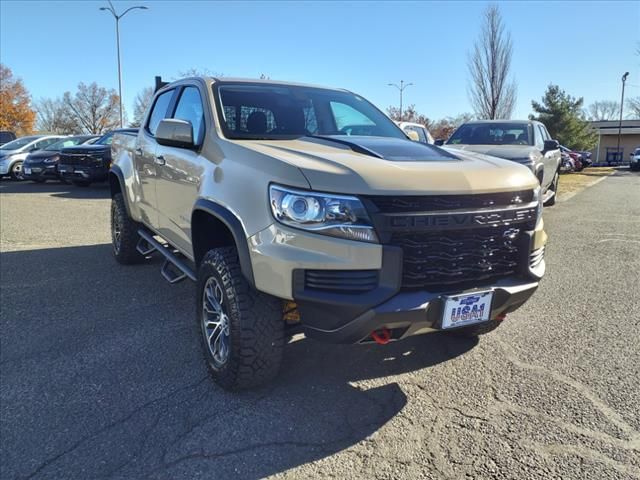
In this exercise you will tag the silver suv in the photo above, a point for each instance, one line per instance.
(299, 208)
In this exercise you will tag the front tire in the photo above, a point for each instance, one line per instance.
(16, 172)
(124, 233)
(242, 329)
(554, 186)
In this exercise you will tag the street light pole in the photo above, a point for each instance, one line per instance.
(624, 79)
(117, 18)
(400, 87)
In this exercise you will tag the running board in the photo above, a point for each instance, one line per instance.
(174, 269)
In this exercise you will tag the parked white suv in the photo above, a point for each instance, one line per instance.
(416, 132)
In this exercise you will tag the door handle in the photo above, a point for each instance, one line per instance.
(160, 160)
(138, 151)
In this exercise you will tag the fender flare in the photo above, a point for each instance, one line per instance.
(116, 171)
(234, 225)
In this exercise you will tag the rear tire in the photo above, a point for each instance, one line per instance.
(476, 330)
(124, 233)
(242, 330)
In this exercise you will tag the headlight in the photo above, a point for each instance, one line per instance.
(323, 213)
(52, 159)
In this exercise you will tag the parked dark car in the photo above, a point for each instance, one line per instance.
(42, 165)
(6, 136)
(577, 157)
(83, 165)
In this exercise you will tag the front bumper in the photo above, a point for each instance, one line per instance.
(411, 313)
(83, 173)
(40, 170)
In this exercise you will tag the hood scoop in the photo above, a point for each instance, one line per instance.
(387, 148)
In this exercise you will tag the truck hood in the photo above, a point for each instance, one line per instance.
(388, 166)
(518, 153)
(88, 149)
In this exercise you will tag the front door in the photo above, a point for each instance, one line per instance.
(180, 173)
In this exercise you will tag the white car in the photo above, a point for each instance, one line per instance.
(634, 160)
(13, 154)
(416, 132)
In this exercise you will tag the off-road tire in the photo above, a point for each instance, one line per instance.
(17, 173)
(81, 183)
(556, 181)
(473, 331)
(256, 327)
(126, 252)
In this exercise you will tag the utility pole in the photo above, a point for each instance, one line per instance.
(618, 154)
(401, 88)
(117, 18)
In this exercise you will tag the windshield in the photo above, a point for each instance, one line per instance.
(19, 143)
(492, 134)
(279, 112)
(105, 139)
(66, 142)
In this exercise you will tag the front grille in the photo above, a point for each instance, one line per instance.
(404, 204)
(80, 159)
(341, 281)
(440, 258)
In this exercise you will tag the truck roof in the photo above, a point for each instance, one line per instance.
(254, 81)
(471, 122)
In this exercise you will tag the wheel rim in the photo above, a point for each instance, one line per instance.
(116, 229)
(17, 171)
(215, 322)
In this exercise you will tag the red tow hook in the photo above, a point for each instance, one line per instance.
(381, 336)
(501, 317)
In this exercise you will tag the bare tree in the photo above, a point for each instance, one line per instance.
(633, 105)
(140, 104)
(54, 116)
(96, 109)
(603, 110)
(491, 92)
(409, 114)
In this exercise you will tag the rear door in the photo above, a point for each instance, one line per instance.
(145, 160)
(178, 180)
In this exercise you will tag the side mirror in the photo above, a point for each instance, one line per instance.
(172, 132)
(551, 145)
(439, 142)
(413, 135)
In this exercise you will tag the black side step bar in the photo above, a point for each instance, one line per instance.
(174, 269)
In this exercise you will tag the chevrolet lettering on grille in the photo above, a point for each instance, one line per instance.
(460, 220)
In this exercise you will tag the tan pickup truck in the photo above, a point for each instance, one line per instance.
(300, 208)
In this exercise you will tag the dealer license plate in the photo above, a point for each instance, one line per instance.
(463, 310)
(27, 170)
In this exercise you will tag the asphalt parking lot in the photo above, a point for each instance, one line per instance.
(102, 375)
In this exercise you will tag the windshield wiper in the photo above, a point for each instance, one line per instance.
(352, 145)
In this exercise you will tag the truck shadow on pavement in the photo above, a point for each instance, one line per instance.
(103, 376)
(56, 189)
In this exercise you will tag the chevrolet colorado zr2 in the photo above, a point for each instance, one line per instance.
(299, 208)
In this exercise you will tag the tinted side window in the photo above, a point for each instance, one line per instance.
(190, 108)
(45, 143)
(159, 111)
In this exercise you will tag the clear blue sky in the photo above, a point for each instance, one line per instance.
(582, 46)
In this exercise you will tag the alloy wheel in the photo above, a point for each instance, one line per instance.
(215, 322)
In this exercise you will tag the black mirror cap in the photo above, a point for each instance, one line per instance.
(439, 142)
(551, 145)
(173, 132)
